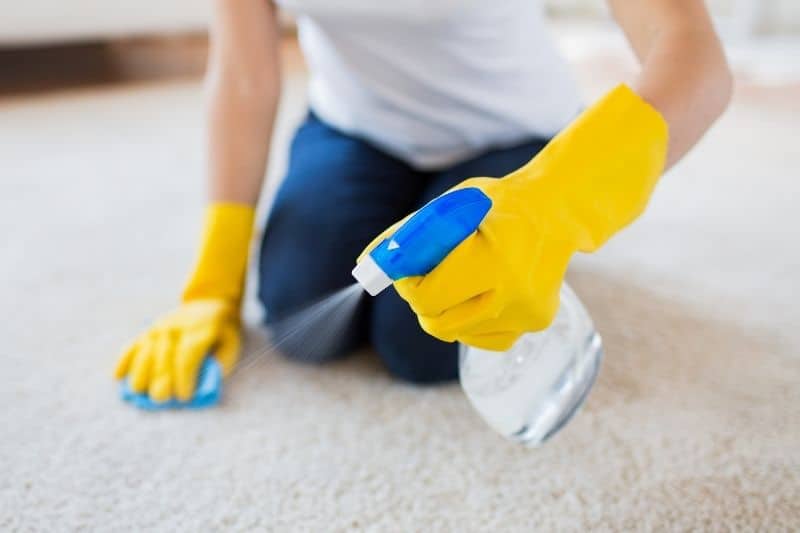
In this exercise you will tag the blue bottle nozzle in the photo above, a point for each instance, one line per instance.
(424, 240)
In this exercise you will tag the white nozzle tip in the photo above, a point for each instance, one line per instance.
(370, 276)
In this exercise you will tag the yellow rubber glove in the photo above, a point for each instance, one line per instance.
(164, 360)
(590, 181)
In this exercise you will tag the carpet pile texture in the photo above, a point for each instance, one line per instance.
(694, 423)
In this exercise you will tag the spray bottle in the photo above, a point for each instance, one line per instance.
(529, 392)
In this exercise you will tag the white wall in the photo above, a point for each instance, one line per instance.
(782, 15)
(760, 16)
(39, 21)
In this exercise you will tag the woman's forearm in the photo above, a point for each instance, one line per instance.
(684, 72)
(242, 91)
(687, 79)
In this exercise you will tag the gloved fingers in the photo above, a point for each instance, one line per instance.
(125, 360)
(467, 271)
(189, 355)
(462, 317)
(141, 367)
(497, 342)
(163, 351)
(161, 388)
(228, 348)
(161, 385)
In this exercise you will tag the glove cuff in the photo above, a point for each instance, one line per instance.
(602, 169)
(222, 260)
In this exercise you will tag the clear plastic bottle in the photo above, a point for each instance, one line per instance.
(531, 391)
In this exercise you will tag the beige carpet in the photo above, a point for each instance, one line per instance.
(694, 424)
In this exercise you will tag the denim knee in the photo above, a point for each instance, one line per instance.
(406, 350)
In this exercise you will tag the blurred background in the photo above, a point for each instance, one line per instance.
(48, 45)
(694, 423)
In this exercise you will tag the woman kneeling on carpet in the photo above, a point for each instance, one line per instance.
(408, 100)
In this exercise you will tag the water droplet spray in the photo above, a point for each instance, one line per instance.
(528, 393)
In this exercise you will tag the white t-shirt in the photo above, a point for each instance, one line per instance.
(434, 82)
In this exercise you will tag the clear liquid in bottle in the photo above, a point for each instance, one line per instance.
(531, 391)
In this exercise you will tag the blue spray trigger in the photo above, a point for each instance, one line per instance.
(426, 238)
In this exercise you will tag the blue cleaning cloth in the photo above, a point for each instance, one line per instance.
(207, 393)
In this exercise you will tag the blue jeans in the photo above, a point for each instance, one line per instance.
(339, 193)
